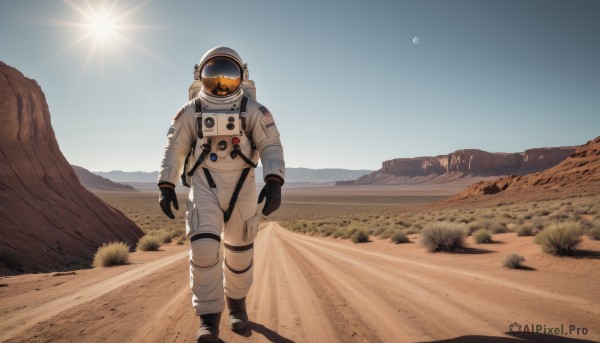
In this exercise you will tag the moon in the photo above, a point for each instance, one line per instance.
(415, 40)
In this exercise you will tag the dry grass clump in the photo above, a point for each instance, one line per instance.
(525, 229)
(445, 236)
(513, 261)
(387, 233)
(359, 237)
(149, 243)
(111, 254)
(482, 236)
(560, 238)
(399, 237)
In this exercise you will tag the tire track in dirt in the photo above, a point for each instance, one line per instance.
(407, 300)
(306, 289)
(24, 318)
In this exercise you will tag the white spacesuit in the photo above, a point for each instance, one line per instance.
(224, 131)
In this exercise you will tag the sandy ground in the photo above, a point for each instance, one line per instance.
(320, 290)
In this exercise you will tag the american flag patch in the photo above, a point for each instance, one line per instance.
(265, 111)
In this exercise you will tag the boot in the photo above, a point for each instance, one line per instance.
(209, 328)
(238, 318)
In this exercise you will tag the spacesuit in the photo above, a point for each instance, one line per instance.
(220, 135)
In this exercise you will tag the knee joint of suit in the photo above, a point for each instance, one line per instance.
(204, 252)
(239, 258)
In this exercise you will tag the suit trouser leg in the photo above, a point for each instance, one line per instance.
(204, 225)
(209, 278)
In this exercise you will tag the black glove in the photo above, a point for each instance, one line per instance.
(167, 195)
(272, 191)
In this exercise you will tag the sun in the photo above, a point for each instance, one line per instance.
(105, 32)
(102, 26)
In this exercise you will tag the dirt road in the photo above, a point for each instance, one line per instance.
(313, 290)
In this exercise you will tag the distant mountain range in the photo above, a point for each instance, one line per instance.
(96, 182)
(292, 175)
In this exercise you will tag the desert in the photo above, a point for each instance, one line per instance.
(313, 288)
(368, 171)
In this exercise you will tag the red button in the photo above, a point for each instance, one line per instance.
(235, 141)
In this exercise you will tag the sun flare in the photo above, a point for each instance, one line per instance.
(105, 32)
(102, 26)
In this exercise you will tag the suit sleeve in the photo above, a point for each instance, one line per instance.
(266, 138)
(180, 136)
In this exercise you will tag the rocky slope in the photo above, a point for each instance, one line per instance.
(95, 182)
(48, 220)
(580, 172)
(471, 162)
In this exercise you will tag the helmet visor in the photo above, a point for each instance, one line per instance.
(221, 76)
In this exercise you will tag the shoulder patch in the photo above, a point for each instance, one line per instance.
(176, 116)
(265, 111)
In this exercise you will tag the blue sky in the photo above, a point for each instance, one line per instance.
(343, 79)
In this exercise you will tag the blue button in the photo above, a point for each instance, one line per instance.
(213, 157)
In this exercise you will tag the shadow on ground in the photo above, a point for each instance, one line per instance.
(269, 334)
(510, 338)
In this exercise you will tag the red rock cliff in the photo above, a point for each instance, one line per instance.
(48, 220)
(580, 171)
(471, 162)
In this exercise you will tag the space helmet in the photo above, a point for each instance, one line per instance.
(220, 72)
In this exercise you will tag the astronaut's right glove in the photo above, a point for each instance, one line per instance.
(271, 191)
(167, 196)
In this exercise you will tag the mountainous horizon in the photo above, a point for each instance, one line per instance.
(292, 175)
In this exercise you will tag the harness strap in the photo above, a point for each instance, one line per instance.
(198, 105)
(243, 106)
(209, 179)
(205, 235)
(187, 158)
(237, 151)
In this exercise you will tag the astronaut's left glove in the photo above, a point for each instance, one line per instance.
(271, 191)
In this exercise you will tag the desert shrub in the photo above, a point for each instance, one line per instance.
(111, 254)
(525, 229)
(377, 231)
(560, 238)
(495, 227)
(482, 236)
(387, 233)
(513, 261)
(11, 260)
(594, 233)
(359, 237)
(512, 227)
(443, 236)
(474, 226)
(413, 229)
(399, 237)
(338, 233)
(349, 232)
(149, 243)
(328, 231)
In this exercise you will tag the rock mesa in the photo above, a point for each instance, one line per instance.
(48, 220)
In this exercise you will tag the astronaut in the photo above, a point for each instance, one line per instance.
(214, 143)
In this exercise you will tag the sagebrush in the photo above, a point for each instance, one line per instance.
(560, 238)
(149, 243)
(445, 236)
(111, 254)
(513, 261)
